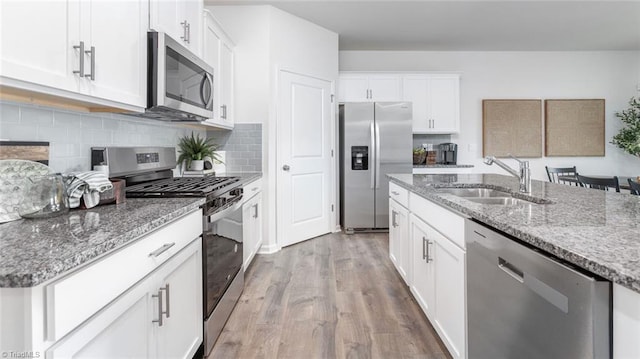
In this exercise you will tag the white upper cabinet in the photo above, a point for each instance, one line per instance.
(91, 50)
(218, 52)
(116, 54)
(436, 102)
(369, 87)
(37, 42)
(181, 19)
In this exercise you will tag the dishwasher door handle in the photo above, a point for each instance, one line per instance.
(511, 270)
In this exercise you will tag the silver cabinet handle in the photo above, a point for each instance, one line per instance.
(188, 33)
(429, 258)
(254, 189)
(162, 249)
(395, 193)
(160, 312)
(184, 31)
(424, 246)
(92, 53)
(167, 296)
(80, 70)
(255, 214)
(224, 111)
(393, 219)
(286, 167)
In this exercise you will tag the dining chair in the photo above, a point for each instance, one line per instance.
(599, 183)
(635, 186)
(554, 172)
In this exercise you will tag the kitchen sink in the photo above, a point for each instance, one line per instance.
(474, 192)
(502, 201)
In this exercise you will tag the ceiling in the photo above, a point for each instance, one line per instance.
(478, 25)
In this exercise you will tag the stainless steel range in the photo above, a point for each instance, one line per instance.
(148, 173)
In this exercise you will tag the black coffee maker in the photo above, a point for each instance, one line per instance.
(447, 154)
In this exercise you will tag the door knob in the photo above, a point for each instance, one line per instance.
(286, 167)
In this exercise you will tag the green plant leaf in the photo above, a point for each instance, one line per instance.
(628, 138)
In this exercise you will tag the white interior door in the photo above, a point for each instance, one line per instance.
(303, 158)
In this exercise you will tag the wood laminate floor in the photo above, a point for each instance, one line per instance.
(335, 296)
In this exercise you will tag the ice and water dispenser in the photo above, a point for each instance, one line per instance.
(359, 158)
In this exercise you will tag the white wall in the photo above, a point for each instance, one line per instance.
(269, 40)
(613, 76)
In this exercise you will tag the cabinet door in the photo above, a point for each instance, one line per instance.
(443, 101)
(399, 238)
(416, 89)
(120, 55)
(353, 88)
(226, 83)
(193, 16)
(166, 16)
(257, 224)
(124, 329)
(248, 233)
(423, 280)
(37, 42)
(180, 284)
(211, 54)
(450, 310)
(385, 88)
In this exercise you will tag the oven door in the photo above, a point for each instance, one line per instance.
(222, 242)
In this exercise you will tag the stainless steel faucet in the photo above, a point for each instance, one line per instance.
(524, 175)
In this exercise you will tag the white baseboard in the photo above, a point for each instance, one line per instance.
(268, 249)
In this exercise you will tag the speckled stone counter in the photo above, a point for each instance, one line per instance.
(596, 230)
(443, 166)
(33, 251)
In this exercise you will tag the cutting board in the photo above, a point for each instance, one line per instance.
(25, 150)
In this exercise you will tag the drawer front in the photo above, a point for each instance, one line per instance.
(251, 189)
(450, 224)
(399, 194)
(79, 295)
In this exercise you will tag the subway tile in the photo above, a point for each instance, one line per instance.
(31, 116)
(91, 121)
(17, 132)
(9, 113)
(55, 134)
(110, 124)
(66, 119)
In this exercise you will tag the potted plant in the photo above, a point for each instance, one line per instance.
(419, 155)
(628, 138)
(194, 149)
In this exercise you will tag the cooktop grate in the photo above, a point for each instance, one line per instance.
(182, 187)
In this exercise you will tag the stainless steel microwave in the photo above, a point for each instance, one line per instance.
(179, 83)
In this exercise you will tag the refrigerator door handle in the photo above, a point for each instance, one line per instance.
(373, 145)
(377, 155)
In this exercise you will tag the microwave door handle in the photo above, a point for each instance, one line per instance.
(205, 102)
(210, 99)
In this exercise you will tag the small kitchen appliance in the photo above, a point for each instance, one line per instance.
(148, 172)
(375, 139)
(179, 83)
(447, 154)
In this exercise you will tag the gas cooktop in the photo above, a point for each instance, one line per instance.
(184, 187)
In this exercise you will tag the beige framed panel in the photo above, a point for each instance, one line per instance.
(574, 127)
(512, 127)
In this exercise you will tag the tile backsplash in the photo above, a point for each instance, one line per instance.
(72, 134)
(242, 146)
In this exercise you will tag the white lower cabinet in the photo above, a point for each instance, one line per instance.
(399, 238)
(252, 222)
(427, 248)
(160, 317)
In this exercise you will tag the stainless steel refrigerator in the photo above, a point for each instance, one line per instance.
(375, 139)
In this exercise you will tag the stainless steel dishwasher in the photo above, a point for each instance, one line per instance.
(522, 303)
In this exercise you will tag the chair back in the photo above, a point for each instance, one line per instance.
(599, 183)
(635, 187)
(554, 172)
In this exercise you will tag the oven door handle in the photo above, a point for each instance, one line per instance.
(225, 212)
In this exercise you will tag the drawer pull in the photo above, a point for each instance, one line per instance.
(167, 296)
(395, 193)
(162, 249)
(254, 189)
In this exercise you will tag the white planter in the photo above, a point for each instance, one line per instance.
(197, 165)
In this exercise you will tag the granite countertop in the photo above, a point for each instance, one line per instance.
(36, 250)
(442, 166)
(596, 230)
